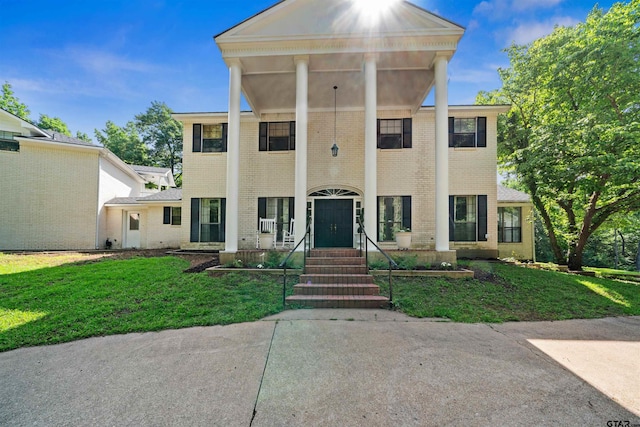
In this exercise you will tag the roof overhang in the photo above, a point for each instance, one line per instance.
(335, 39)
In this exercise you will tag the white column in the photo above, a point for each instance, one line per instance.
(442, 155)
(370, 147)
(302, 108)
(233, 158)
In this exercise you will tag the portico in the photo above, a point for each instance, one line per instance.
(286, 61)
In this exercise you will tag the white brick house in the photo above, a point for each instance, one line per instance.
(399, 164)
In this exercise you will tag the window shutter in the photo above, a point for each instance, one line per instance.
(264, 127)
(223, 220)
(195, 220)
(225, 132)
(197, 138)
(406, 133)
(481, 132)
(378, 132)
(167, 215)
(451, 143)
(262, 209)
(292, 135)
(482, 218)
(406, 212)
(451, 215)
(377, 216)
(292, 209)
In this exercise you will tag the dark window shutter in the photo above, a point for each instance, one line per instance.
(292, 135)
(223, 220)
(292, 209)
(482, 218)
(406, 212)
(406, 133)
(377, 216)
(225, 132)
(482, 132)
(451, 214)
(451, 120)
(195, 220)
(264, 127)
(197, 138)
(167, 215)
(378, 132)
(262, 209)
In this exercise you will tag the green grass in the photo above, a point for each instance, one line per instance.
(510, 293)
(68, 302)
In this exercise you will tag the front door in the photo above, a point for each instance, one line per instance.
(132, 239)
(333, 223)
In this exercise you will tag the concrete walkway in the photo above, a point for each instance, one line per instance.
(333, 368)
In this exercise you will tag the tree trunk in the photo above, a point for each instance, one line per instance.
(574, 256)
(553, 240)
(638, 258)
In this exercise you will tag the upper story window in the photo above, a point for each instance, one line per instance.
(468, 132)
(277, 136)
(394, 133)
(210, 138)
(7, 143)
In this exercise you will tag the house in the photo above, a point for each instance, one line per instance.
(54, 189)
(516, 237)
(337, 131)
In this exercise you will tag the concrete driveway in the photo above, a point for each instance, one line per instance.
(334, 368)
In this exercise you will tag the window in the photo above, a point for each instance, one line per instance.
(207, 220)
(394, 133)
(277, 136)
(509, 225)
(467, 218)
(394, 214)
(467, 132)
(172, 215)
(280, 208)
(7, 143)
(210, 138)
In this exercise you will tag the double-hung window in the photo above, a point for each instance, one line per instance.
(207, 220)
(468, 132)
(172, 215)
(280, 208)
(468, 218)
(7, 143)
(210, 138)
(394, 133)
(277, 136)
(509, 225)
(394, 214)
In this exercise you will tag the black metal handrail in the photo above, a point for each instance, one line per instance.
(283, 264)
(392, 263)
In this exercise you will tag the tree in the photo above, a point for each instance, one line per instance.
(53, 123)
(162, 134)
(9, 102)
(124, 142)
(571, 137)
(83, 136)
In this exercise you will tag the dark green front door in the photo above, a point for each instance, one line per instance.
(333, 223)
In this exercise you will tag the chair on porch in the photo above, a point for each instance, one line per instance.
(289, 237)
(269, 226)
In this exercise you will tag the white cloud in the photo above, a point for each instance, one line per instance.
(530, 31)
(534, 4)
(102, 62)
(498, 9)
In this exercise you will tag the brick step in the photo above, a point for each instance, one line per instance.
(340, 301)
(336, 289)
(336, 261)
(336, 269)
(335, 253)
(336, 278)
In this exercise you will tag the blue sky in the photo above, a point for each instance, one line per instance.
(89, 61)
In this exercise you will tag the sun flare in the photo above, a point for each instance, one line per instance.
(373, 10)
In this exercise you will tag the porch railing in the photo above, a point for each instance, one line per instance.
(306, 239)
(392, 263)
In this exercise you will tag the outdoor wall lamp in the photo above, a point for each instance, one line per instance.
(334, 147)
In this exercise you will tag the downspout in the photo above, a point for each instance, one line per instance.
(533, 233)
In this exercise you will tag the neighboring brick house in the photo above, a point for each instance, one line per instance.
(516, 237)
(53, 188)
(399, 164)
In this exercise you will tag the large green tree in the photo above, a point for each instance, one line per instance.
(124, 142)
(162, 134)
(53, 123)
(572, 137)
(9, 102)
